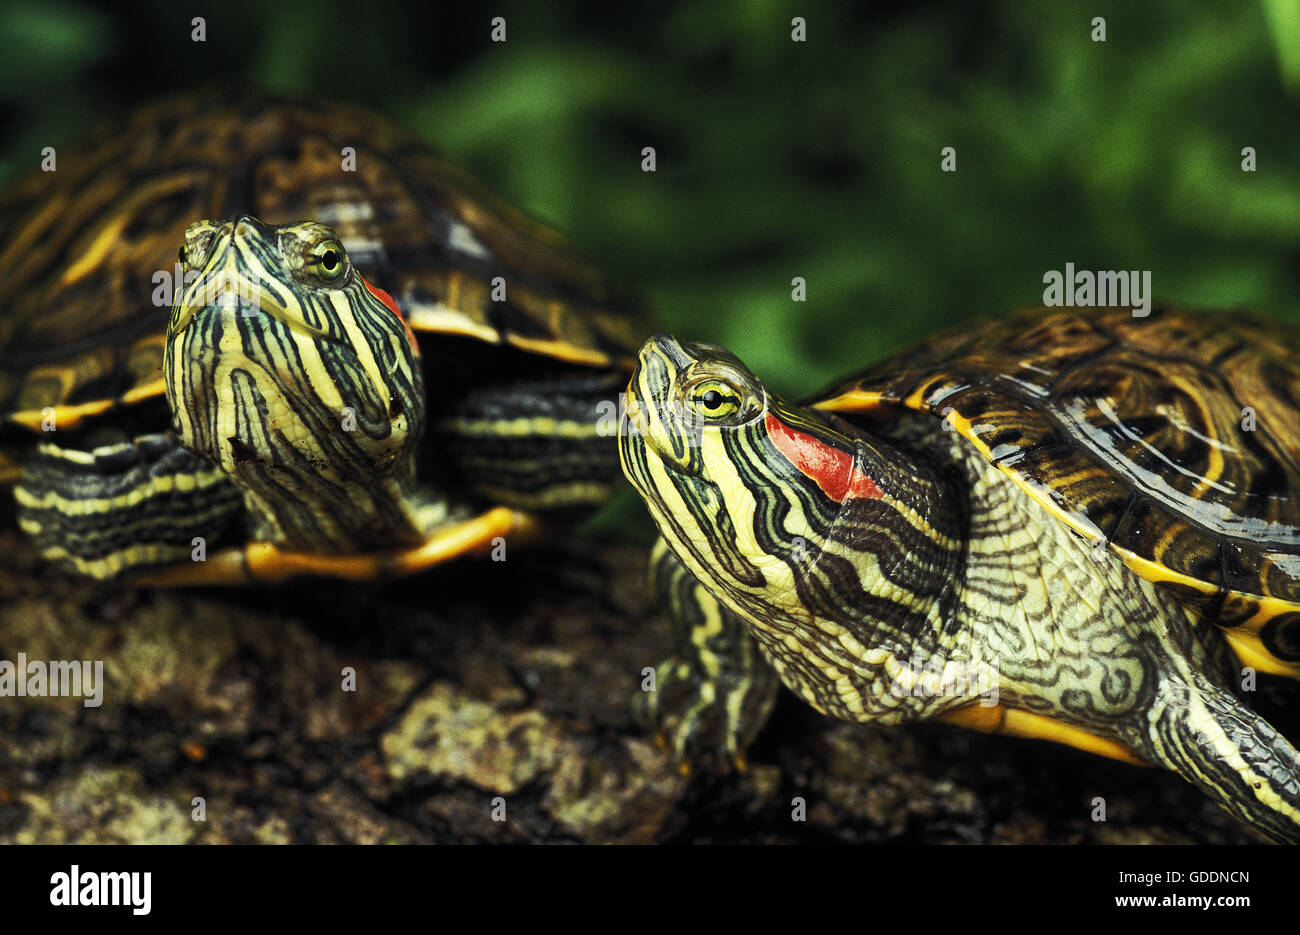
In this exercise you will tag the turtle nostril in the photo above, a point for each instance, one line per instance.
(240, 451)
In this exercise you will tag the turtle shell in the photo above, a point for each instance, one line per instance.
(1174, 438)
(81, 248)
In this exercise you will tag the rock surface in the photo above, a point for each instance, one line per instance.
(492, 704)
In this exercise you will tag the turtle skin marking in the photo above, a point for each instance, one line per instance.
(1131, 430)
(713, 695)
(907, 548)
(483, 326)
(80, 247)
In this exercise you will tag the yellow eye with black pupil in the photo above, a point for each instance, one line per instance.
(327, 260)
(715, 399)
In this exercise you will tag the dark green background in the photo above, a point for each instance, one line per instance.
(779, 159)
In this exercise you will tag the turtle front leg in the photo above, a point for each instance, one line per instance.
(542, 443)
(715, 692)
(1209, 737)
(148, 512)
(112, 510)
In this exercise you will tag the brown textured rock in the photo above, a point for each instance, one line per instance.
(483, 691)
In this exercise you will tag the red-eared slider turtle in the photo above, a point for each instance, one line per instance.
(312, 427)
(1078, 527)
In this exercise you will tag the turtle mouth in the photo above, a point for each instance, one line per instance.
(644, 443)
(676, 449)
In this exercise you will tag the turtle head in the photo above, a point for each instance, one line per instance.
(284, 367)
(682, 393)
(792, 518)
(701, 444)
(698, 418)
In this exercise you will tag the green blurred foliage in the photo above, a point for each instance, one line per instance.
(779, 159)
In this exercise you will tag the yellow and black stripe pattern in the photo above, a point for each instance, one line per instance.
(540, 442)
(294, 403)
(284, 368)
(715, 691)
(895, 573)
(80, 248)
(1174, 438)
(120, 507)
(836, 588)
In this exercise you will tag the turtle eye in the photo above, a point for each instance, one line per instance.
(327, 260)
(714, 399)
(194, 249)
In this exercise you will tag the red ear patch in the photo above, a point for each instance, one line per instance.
(391, 304)
(833, 470)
